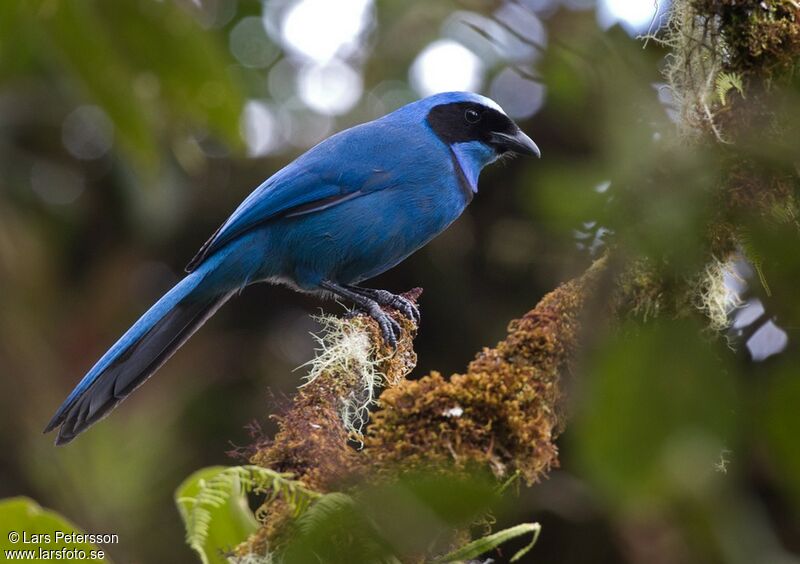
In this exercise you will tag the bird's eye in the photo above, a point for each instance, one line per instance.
(472, 116)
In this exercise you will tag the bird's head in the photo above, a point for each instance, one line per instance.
(466, 118)
(475, 128)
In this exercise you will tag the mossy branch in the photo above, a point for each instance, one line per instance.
(502, 414)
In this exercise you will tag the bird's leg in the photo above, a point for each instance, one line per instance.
(390, 329)
(384, 298)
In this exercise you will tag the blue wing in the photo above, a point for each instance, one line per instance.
(339, 169)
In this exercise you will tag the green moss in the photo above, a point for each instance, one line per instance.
(753, 45)
(639, 291)
(730, 68)
(760, 37)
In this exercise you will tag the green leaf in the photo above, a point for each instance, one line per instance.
(214, 522)
(22, 515)
(214, 508)
(490, 542)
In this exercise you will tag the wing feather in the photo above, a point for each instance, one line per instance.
(350, 164)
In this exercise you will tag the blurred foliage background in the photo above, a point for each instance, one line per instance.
(130, 129)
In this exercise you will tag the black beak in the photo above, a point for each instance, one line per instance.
(517, 143)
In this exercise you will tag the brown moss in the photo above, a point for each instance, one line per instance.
(312, 443)
(275, 518)
(502, 413)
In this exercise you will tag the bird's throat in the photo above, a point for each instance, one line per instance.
(467, 189)
(471, 158)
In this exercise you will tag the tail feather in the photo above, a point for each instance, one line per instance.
(136, 356)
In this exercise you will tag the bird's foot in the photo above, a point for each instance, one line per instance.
(390, 329)
(385, 298)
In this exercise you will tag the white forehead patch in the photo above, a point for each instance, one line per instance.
(489, 103)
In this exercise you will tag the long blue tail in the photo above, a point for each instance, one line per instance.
(137, 355)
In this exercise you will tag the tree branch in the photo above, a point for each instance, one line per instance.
(501, 414)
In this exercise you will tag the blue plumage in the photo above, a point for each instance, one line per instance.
(350, 208)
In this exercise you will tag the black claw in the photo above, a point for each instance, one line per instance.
(390, 329)
(405, 306)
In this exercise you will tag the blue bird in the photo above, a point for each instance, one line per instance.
(349, 209)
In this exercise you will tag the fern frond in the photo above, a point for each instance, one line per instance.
(727, 81)
(324, 509)
(237, 481)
